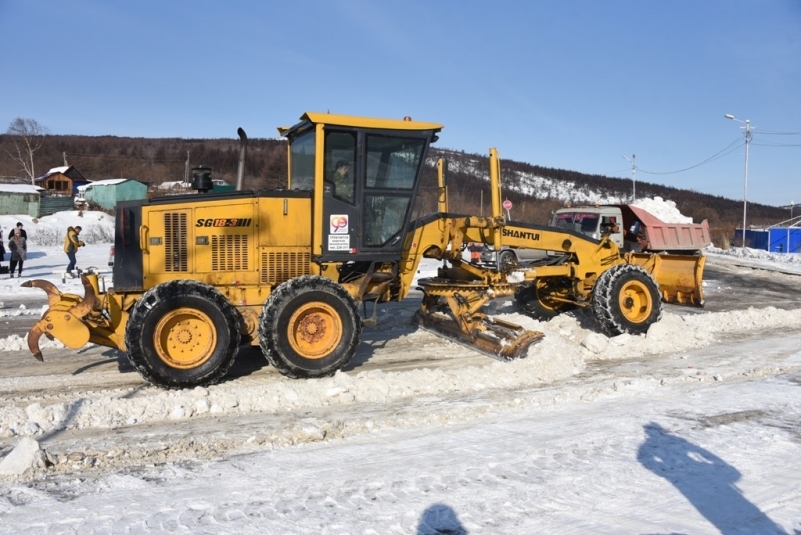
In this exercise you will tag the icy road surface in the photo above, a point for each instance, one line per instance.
(693, 428)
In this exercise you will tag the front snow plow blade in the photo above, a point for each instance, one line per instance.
(452, 310)
(64, 319)
(680, 277)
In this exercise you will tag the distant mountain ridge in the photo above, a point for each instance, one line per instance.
(538, 190)
(534, 190)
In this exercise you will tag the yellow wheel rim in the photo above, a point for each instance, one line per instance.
(543, 295)
(185, 338)
(315, 330)
(635, 301)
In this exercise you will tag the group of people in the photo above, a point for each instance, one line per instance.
(18, 247)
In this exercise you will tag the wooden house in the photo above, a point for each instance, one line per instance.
(61, 181)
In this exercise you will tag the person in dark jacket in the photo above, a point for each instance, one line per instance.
(18, 227)
(19, 249)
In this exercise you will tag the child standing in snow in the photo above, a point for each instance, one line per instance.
(19, 249)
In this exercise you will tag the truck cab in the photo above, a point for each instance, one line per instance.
(634, 229)
(593, 221)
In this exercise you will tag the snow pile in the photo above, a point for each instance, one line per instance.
(22, 310)
(571, 342)
(96, 227)
(563, 353)
(663, 210)
(758, 254)
(759, 259)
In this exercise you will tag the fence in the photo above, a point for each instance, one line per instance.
(51, 205)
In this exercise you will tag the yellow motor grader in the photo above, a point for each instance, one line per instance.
(197, 275)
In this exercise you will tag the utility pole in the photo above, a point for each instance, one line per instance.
(633, 177)
(64, 154)
(186, 168)
(747, 128)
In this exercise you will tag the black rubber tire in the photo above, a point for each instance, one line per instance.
(622, 284)
(169, 298)
(532, 299)
(326, 302)
(506, 259)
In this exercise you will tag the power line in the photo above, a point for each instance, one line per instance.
(777, 144)
(777, 133)
(723, 152)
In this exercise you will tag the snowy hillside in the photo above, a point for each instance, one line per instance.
(533, 185)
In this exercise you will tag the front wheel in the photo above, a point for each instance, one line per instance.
(182, 333)
(626, 300)
(507, 260)
(309, 327)
(538, 299)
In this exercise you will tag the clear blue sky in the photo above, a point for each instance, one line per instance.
(573, 84)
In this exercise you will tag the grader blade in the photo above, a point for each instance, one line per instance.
(495, 338)
(680, 277)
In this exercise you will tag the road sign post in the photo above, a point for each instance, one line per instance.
(507, 205)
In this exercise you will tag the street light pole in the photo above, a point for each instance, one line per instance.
(633, 177)
(747, 128)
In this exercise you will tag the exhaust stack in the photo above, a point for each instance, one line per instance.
(240, 173)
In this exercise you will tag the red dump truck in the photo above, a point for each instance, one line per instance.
(634, 229)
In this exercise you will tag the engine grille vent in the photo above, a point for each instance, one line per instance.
(229, 253)
(176, 253)
(280, 266)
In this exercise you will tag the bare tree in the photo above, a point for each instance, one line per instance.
(29, 136)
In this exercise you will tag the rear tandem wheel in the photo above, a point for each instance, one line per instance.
(309, 327)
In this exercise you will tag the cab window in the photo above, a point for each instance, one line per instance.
(392, 162)
(340, 171)
(301, 173)
(391, 166)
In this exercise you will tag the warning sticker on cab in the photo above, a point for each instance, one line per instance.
(338, 224)
(339, 242)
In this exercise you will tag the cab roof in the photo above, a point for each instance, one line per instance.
(310, 118)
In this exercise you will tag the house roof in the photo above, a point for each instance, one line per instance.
(68, 171)
(173, 185)
(109, 181)
(20, 188)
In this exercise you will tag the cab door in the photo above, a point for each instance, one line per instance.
(366, 213)
(340, 189)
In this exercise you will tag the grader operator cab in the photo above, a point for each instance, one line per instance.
(195, 276)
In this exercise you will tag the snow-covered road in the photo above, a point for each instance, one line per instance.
(704, 442)
(693, 428)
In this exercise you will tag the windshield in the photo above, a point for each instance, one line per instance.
(301, 173)
(392, 165)
(584, 222)
(392, 162)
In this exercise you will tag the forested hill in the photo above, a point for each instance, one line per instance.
(534, 190)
